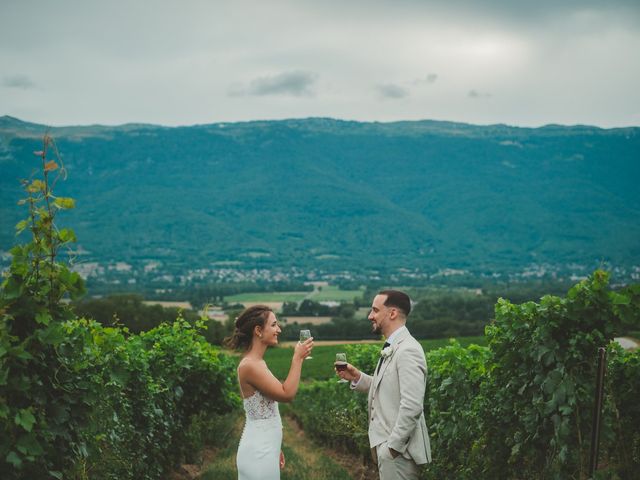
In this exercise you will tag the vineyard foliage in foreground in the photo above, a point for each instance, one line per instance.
(79, 400)
(522, 406)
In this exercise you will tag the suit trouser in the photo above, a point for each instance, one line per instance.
(398, 468)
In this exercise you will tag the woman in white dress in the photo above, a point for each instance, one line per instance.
(259, 455)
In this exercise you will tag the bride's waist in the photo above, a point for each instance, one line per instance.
(258, 422)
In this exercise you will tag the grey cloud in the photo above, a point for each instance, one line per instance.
(392, 91)
(236, 90)
(532, 13)
(296, 83)
(18, 81)
(429, 79)
(476, 94)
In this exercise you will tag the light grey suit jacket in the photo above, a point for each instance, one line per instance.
(396, 400)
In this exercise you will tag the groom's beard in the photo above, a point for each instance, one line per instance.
(375, 328)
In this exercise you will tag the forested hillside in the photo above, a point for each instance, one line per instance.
(336, 195)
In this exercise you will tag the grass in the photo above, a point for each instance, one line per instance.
(304, 460)
(320, 367)
(331, 292)
(267, 297)
(325, 294)
(224, 462)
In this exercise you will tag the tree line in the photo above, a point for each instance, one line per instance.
(437, 312)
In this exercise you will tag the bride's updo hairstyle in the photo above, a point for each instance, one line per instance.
(250, 318)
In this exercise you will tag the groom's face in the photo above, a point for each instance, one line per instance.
(379, 314)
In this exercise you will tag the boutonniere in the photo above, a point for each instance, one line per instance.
(386, 352)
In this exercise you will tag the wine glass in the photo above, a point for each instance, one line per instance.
(341, 364)
(304, 334)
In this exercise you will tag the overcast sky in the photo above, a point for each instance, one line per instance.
(184, 62)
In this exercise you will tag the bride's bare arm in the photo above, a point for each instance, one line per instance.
(260, 377)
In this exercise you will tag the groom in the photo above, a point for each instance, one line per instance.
(398, 434)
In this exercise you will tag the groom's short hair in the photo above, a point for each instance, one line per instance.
(397, 299)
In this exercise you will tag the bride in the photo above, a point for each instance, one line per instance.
(259, 456)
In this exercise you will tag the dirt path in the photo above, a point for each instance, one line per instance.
(306, 460)
(189, 471)
(353, 464)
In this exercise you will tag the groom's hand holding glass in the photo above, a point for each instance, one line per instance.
(349, 373)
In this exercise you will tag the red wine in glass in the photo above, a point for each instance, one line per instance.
(341, 365)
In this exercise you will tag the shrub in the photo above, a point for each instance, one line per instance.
(80, 400)
(453, 402)
(522, 407)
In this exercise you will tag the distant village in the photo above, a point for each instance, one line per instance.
(156, 275)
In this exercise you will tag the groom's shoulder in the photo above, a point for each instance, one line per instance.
(410, 342)
(415, 343)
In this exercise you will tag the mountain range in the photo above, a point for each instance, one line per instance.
(336, 195)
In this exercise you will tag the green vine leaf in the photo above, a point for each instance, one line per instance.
(619, 299)
(14, 459)
(36, 186)
(64, 203)
(29, 445)
(21, 226)
(66, 235)
(25, 419)
(43, 318)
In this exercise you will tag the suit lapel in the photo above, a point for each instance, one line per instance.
(396, 344)
(383, 367)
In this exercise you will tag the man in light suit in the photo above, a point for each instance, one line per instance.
(398, 434)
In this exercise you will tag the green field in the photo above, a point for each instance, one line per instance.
(325, 294)
(320, 367)
(267, 297)
(331, 292)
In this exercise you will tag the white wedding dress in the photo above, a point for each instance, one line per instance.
(259, 450)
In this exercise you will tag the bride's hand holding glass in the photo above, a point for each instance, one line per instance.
(305, 335)
(303, 349)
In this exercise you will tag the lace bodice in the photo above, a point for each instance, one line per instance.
(259, 407)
